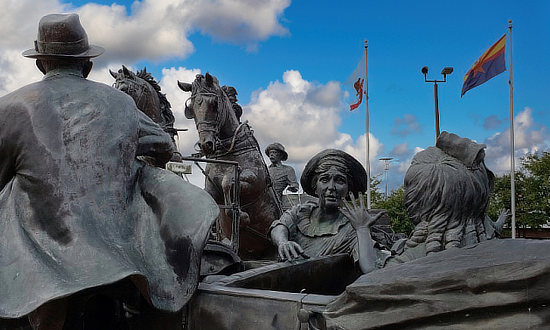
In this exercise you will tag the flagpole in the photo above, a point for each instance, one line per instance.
(367, 127)
(512, 147)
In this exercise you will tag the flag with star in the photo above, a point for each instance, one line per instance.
(490, 64)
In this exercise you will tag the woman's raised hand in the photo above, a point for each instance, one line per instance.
(358, 214)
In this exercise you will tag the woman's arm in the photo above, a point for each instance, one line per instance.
(362, 220)
(288, 250)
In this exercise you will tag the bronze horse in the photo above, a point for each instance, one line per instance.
(145, 91)
(222, 136)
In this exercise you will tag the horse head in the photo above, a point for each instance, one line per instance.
(141, 87)
(211, 109)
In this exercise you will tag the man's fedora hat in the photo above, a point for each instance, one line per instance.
(62, 36)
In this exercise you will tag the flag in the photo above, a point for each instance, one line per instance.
(358, 86)
(490, 64)
(357, 82)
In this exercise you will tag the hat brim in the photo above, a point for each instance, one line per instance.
(93, 51)
(269, 148)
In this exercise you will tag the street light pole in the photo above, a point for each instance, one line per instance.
(386, 161)
(444, 72)
(436, 100)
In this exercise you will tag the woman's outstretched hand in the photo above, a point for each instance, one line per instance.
(358, 214)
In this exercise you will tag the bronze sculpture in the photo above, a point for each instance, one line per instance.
(231, 93)
(323, 228)
(447, 191)
(223, 137)
(77, 209)
(282, 176)
(145, 91)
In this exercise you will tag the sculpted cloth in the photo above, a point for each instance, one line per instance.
(340, 237)
(79, 210)
(282, 176)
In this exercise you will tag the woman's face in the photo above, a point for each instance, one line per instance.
(332, 187)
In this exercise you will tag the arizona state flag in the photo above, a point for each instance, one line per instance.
(490, 64)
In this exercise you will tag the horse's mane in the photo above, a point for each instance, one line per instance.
(198, 86)
(165, 106)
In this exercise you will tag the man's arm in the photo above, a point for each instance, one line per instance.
(153, 141)
(292, 182)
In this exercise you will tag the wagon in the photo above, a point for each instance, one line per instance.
(285, 295)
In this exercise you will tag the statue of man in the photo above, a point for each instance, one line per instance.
(78, 209)
(282, 175)
(231, 93)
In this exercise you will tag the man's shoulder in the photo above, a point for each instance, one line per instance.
(19, 95)
(288, 168)
(102, 92)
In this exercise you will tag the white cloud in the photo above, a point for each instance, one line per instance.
(401, 150)
(158, 29)
(154, 30)
(185, 140)
(19, 21)
(17, 71)
(529, 137)
(305, 117)
(239, 21)
(177, 99)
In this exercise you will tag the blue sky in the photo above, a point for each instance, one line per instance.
(288, 61)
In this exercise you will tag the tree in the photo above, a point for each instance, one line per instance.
(532, 184)
(375, 194)
(395, 207)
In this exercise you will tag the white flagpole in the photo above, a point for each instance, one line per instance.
(367, 127)
(512, 160)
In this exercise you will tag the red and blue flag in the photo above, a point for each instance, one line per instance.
(490, 64)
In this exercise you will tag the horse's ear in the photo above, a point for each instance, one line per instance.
(209, 79)
(112, 73)
(184, 86)
(126, 71)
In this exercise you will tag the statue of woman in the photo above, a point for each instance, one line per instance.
(331, 225)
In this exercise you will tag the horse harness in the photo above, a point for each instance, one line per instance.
(242, 141)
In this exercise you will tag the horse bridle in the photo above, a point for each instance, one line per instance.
(135, 88)
(208, 125)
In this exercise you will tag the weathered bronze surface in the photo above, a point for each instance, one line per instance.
(276, 296)
(324, 228)
(447, 191)
(145, 91)
(222, 136)
(84, 221)
(77, 209)
(496, 284)
(282, 176)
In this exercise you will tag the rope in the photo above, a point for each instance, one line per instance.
(235, 135)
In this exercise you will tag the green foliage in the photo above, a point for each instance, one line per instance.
(532, 185)
(376, 194)
(395, 206)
